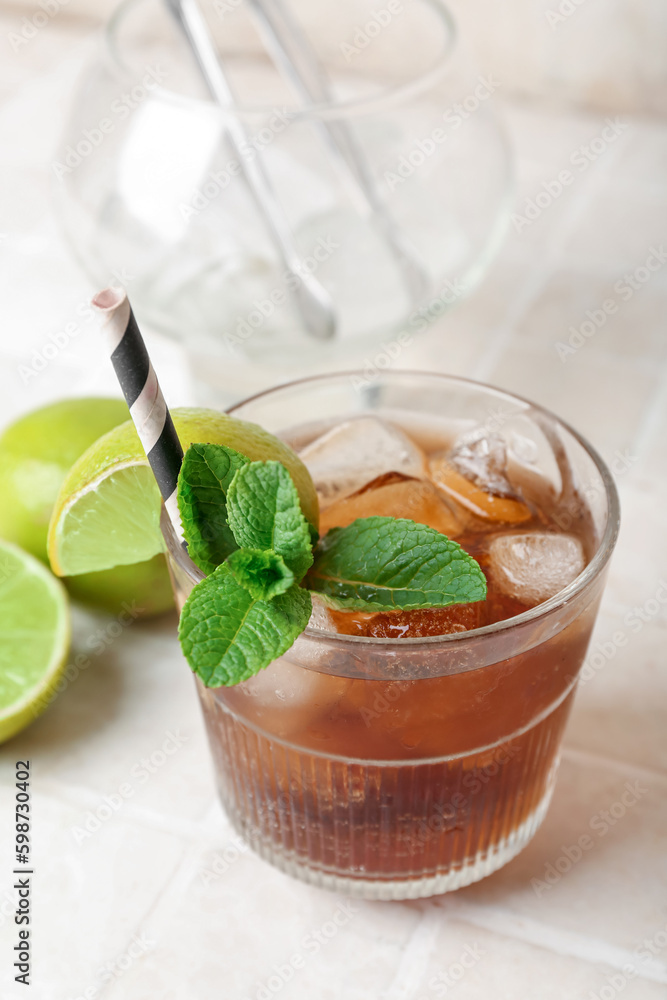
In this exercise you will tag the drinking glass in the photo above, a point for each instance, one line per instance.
(400, 768)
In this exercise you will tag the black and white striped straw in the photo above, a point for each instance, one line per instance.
(143, 395)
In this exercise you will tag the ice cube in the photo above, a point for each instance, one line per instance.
(533, 566)
(354, 453)
(487, 506)
(482, 458)
(289, 700)
(474, 473)
(320, 617)
(532, 467)
(394, 495)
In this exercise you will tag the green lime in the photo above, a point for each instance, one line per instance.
(36, 453)
(108, 510)
(34, 638)
(147, 584)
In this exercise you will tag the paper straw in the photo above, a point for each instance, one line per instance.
(143, 395)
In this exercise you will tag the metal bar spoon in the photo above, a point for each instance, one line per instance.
(312, 300)
(292, 50)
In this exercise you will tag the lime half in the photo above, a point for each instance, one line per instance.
(108, 510)
(34, 638)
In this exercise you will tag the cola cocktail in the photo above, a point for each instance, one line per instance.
(406, 753)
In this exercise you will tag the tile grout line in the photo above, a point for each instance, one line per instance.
(503, 334)
(174, 884)
(556, 940)
(415, 955)
(176, 877)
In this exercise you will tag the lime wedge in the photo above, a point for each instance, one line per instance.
(113, 521)
(34, 637)
(108, 511)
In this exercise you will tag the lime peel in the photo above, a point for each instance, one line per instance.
(38, 648)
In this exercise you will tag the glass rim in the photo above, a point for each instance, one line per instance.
(323, 110)
(590, 572)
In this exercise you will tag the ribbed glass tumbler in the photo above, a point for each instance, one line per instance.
(400, 768)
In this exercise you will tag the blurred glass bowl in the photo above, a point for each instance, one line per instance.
(151, 189)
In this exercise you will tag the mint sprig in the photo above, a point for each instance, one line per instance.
(228, 636)
(264, 513)
(386, 564)
(205, 477)
(263, 573)
(244, 527)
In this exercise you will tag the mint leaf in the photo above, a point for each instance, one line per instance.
(205, 477)
(263, 573)
(227, 635)
(264, 513)
(381, 563)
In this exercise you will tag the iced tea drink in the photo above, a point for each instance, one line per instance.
(405, 753)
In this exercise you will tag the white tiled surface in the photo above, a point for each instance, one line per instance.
(134, 893)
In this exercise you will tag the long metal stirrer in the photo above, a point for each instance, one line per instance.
(293, 51)
(313, 302)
